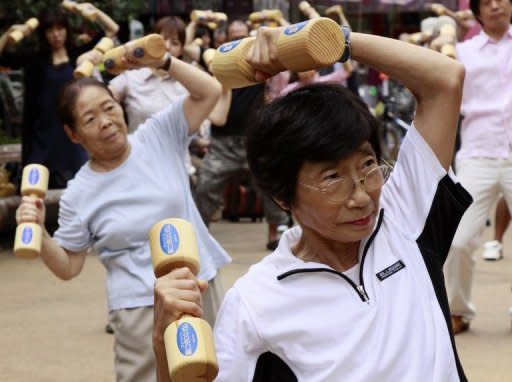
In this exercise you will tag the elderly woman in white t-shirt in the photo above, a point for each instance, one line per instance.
(129, 183)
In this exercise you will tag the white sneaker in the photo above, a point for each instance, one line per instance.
(493, 250)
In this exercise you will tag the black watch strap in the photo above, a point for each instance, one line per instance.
(167, 63)
(346, 52)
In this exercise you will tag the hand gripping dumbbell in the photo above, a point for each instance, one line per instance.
(188, 341)
(34, 183)
(150, 46)
(301, 47)
(87, 11)
(211, 19)
(86, 68)
(17, 35)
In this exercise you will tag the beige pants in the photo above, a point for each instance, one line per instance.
(133, 346)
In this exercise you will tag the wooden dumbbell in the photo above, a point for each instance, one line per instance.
(266, 15)
(86, 68)
(308, 10)
(301, 47)
(150, 46)
(86, 10)
(17, 35)
(34, 183)
(188, 341)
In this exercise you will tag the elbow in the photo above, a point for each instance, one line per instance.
(454, 81)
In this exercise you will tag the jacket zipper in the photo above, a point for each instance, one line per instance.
(360, 289)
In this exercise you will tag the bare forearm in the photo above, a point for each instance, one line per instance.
(204, 92)
(110, 26)
(219, 114)
(162, 370)
(62, 265)
(423, 71)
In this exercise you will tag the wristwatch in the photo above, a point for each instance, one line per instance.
(167, 63)
(346, 52)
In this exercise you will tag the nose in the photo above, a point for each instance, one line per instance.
(105, 121)
(359, 197)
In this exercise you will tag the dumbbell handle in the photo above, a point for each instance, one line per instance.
(301, 47)
(150, 46)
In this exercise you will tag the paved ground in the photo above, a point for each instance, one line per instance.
(52, 331)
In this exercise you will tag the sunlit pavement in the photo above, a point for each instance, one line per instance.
(53, 330)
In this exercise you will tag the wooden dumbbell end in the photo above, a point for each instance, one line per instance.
(449, 50)
(230, 66)
(311, 44)
(15, 37)
(190, 350)
(34, 180)
(27, 240)
(32, 23)
(85, 69)
(173, 245)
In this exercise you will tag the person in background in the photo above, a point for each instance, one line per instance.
(45, 73)
(226, 156)
(484, 160)
(129, 183)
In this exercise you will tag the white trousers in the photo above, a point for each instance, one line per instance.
(484, 179)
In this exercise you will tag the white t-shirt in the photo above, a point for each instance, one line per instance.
(112, 212)
(304, 321)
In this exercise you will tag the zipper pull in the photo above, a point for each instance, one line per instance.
(362, 293)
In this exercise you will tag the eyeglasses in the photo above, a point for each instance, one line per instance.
(340, 189)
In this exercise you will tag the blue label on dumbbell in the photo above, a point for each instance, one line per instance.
(33, 176)
(229, 46)
(26, 235)
(169, 239)
(292, 29)
(186, 339)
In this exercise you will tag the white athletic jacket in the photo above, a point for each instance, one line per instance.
(289, 320)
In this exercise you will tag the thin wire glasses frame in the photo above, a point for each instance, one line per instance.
(340, 189)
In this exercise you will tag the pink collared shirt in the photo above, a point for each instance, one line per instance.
(486, 130)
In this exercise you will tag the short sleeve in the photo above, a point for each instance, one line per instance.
(72, 234)
(236, 341)
(168, 128)
(415, 185)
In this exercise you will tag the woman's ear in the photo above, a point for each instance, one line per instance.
(73, 136)
(281, 204)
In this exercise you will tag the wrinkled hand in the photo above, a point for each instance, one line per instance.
(176, 294)
(31, 210)
(262, 56)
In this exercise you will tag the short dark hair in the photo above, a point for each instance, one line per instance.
(69, 95)
(319, 122)
(169, 25)
(474, 5)
(49, 17)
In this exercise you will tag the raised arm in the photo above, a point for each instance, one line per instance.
(204, 90)
(191, 49)
(435, 80)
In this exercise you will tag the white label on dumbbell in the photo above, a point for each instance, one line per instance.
(292, 29)
(33, 176)
(26, 235)
(229, 46)
(186, 339)
(169, 239)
